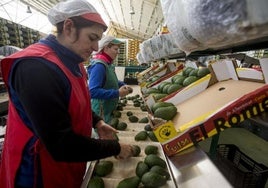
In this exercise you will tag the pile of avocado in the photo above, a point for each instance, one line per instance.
(151, 172)
(188, 76)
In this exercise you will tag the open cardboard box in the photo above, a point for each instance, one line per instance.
(227, 101)
(165, 72)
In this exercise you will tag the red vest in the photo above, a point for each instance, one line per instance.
(54, 174)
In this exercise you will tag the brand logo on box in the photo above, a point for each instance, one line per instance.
(165, 131)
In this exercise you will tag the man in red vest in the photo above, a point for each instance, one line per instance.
(48, 134)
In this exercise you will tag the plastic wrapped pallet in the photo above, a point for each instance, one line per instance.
(169, 46)
(202, 24)
(140, 58)
(146, 51)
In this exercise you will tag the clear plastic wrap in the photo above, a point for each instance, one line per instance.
(203, 24)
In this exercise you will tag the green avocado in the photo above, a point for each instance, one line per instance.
(160, 170)
(136, 150)
(151, 149)
(142, 135)
(130, 182)
(95, 182)
(141, 168)
(133, 119)
(114, 122)
(103, 168)
(189, 80)
(166, 113)
(153, 180)
(153, 159)
(203, 72)
(144, 120)
(174, 87)
(121, 126)
(160, 104)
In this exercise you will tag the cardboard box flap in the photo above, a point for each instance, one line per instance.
(224, 70)
(210, 100)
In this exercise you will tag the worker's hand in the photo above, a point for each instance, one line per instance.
(105, 131)
(123, 91)
(125, 152)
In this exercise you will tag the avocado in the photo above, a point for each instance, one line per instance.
(136, 150)
(161, 86)
(176, 77)
(117, 114)
(174, 87)
(95, 182)
(152, 90)
(151, 149)
(158, 96)
(142, 135)
(179, 80)
(160, 170)
(130, 182)
(129, 113)
(137, 104)
(153, 159)
(165, 88)
(143, 108)
(114, 122)
(193, 72)
(153, 180)
(141, 168)
(160, 104)
(152, 136)
(203, 72)
(166, 113)
(103, 168)
(121, 126)
(189, 80)
(144, 120)
(148, 127)
(186, 71)
(133, 119)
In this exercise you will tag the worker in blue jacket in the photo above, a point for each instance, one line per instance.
(104, 86)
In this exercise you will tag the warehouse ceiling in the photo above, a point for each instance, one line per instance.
(132, 19)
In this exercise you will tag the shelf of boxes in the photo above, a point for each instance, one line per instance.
(17, 35)
(121, 57)
(133, 49)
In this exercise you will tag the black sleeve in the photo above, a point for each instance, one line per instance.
(42, 94)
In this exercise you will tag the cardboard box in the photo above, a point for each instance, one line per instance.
(226, 102)
(166, 71)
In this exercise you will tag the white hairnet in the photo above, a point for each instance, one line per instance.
(107, 40)
(71, 8)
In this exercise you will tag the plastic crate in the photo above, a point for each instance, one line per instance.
(239, 169)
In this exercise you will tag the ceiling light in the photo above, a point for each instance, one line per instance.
(131, 12)
(29, 9)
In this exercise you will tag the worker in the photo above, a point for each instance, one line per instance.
(48, 133)
(105, 88)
